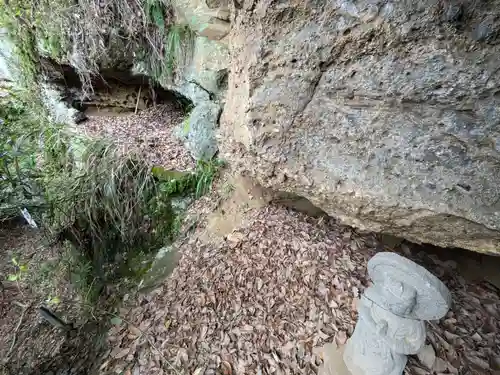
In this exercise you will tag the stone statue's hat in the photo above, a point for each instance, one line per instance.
(432, 297)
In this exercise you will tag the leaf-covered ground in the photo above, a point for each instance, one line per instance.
(29, 345)
(269, 296)
(149, 132)
(259, 289)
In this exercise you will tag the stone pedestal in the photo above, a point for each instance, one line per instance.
(392, 314)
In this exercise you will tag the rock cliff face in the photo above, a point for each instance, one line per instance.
(204, 79)
(385, 114)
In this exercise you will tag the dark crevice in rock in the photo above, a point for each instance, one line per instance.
(222, 81)
(297, 203)
(211, 95)
(473, 267)
(111, 88)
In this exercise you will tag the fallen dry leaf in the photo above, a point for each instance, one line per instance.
(167, 324)
(226, 368)
(134, 330)
(118, 353)
(439, 365)
(149, 132)
(340, 338)
(287, 287)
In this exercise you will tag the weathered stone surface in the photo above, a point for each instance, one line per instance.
(208, 67)
(391, 315)
(204, 82)
(204, 79)
(384, 114)
(215, 30)
(206, 18)
(50, 95)
(198, 131)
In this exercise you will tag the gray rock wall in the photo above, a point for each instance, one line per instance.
(203, 82)
(384, 114)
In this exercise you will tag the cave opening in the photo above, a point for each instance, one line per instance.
(112, 91)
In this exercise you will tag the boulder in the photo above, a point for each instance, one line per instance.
(197, 131)
(385, 114)
(204, 78)
(204, 82)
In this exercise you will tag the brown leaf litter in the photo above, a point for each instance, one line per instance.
(149, 132)
(275, 291)
(467, 339)
(28, 344)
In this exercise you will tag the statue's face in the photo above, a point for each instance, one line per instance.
(400, 297)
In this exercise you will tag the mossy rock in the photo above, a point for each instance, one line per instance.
(165, 175)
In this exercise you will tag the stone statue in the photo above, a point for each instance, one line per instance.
(392, 314)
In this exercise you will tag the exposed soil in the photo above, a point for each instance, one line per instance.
(238, 195)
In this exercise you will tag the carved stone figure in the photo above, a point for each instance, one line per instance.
(392, 314)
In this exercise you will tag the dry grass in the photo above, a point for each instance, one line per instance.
(93, 35)
(108, 30)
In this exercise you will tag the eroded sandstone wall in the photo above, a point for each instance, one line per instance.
(386, 114)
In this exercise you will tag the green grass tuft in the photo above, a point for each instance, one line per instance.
(197, 183)
(205, 174)
(156, 13)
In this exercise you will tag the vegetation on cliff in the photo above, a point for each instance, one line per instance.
(94, 35)
(104, 201)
